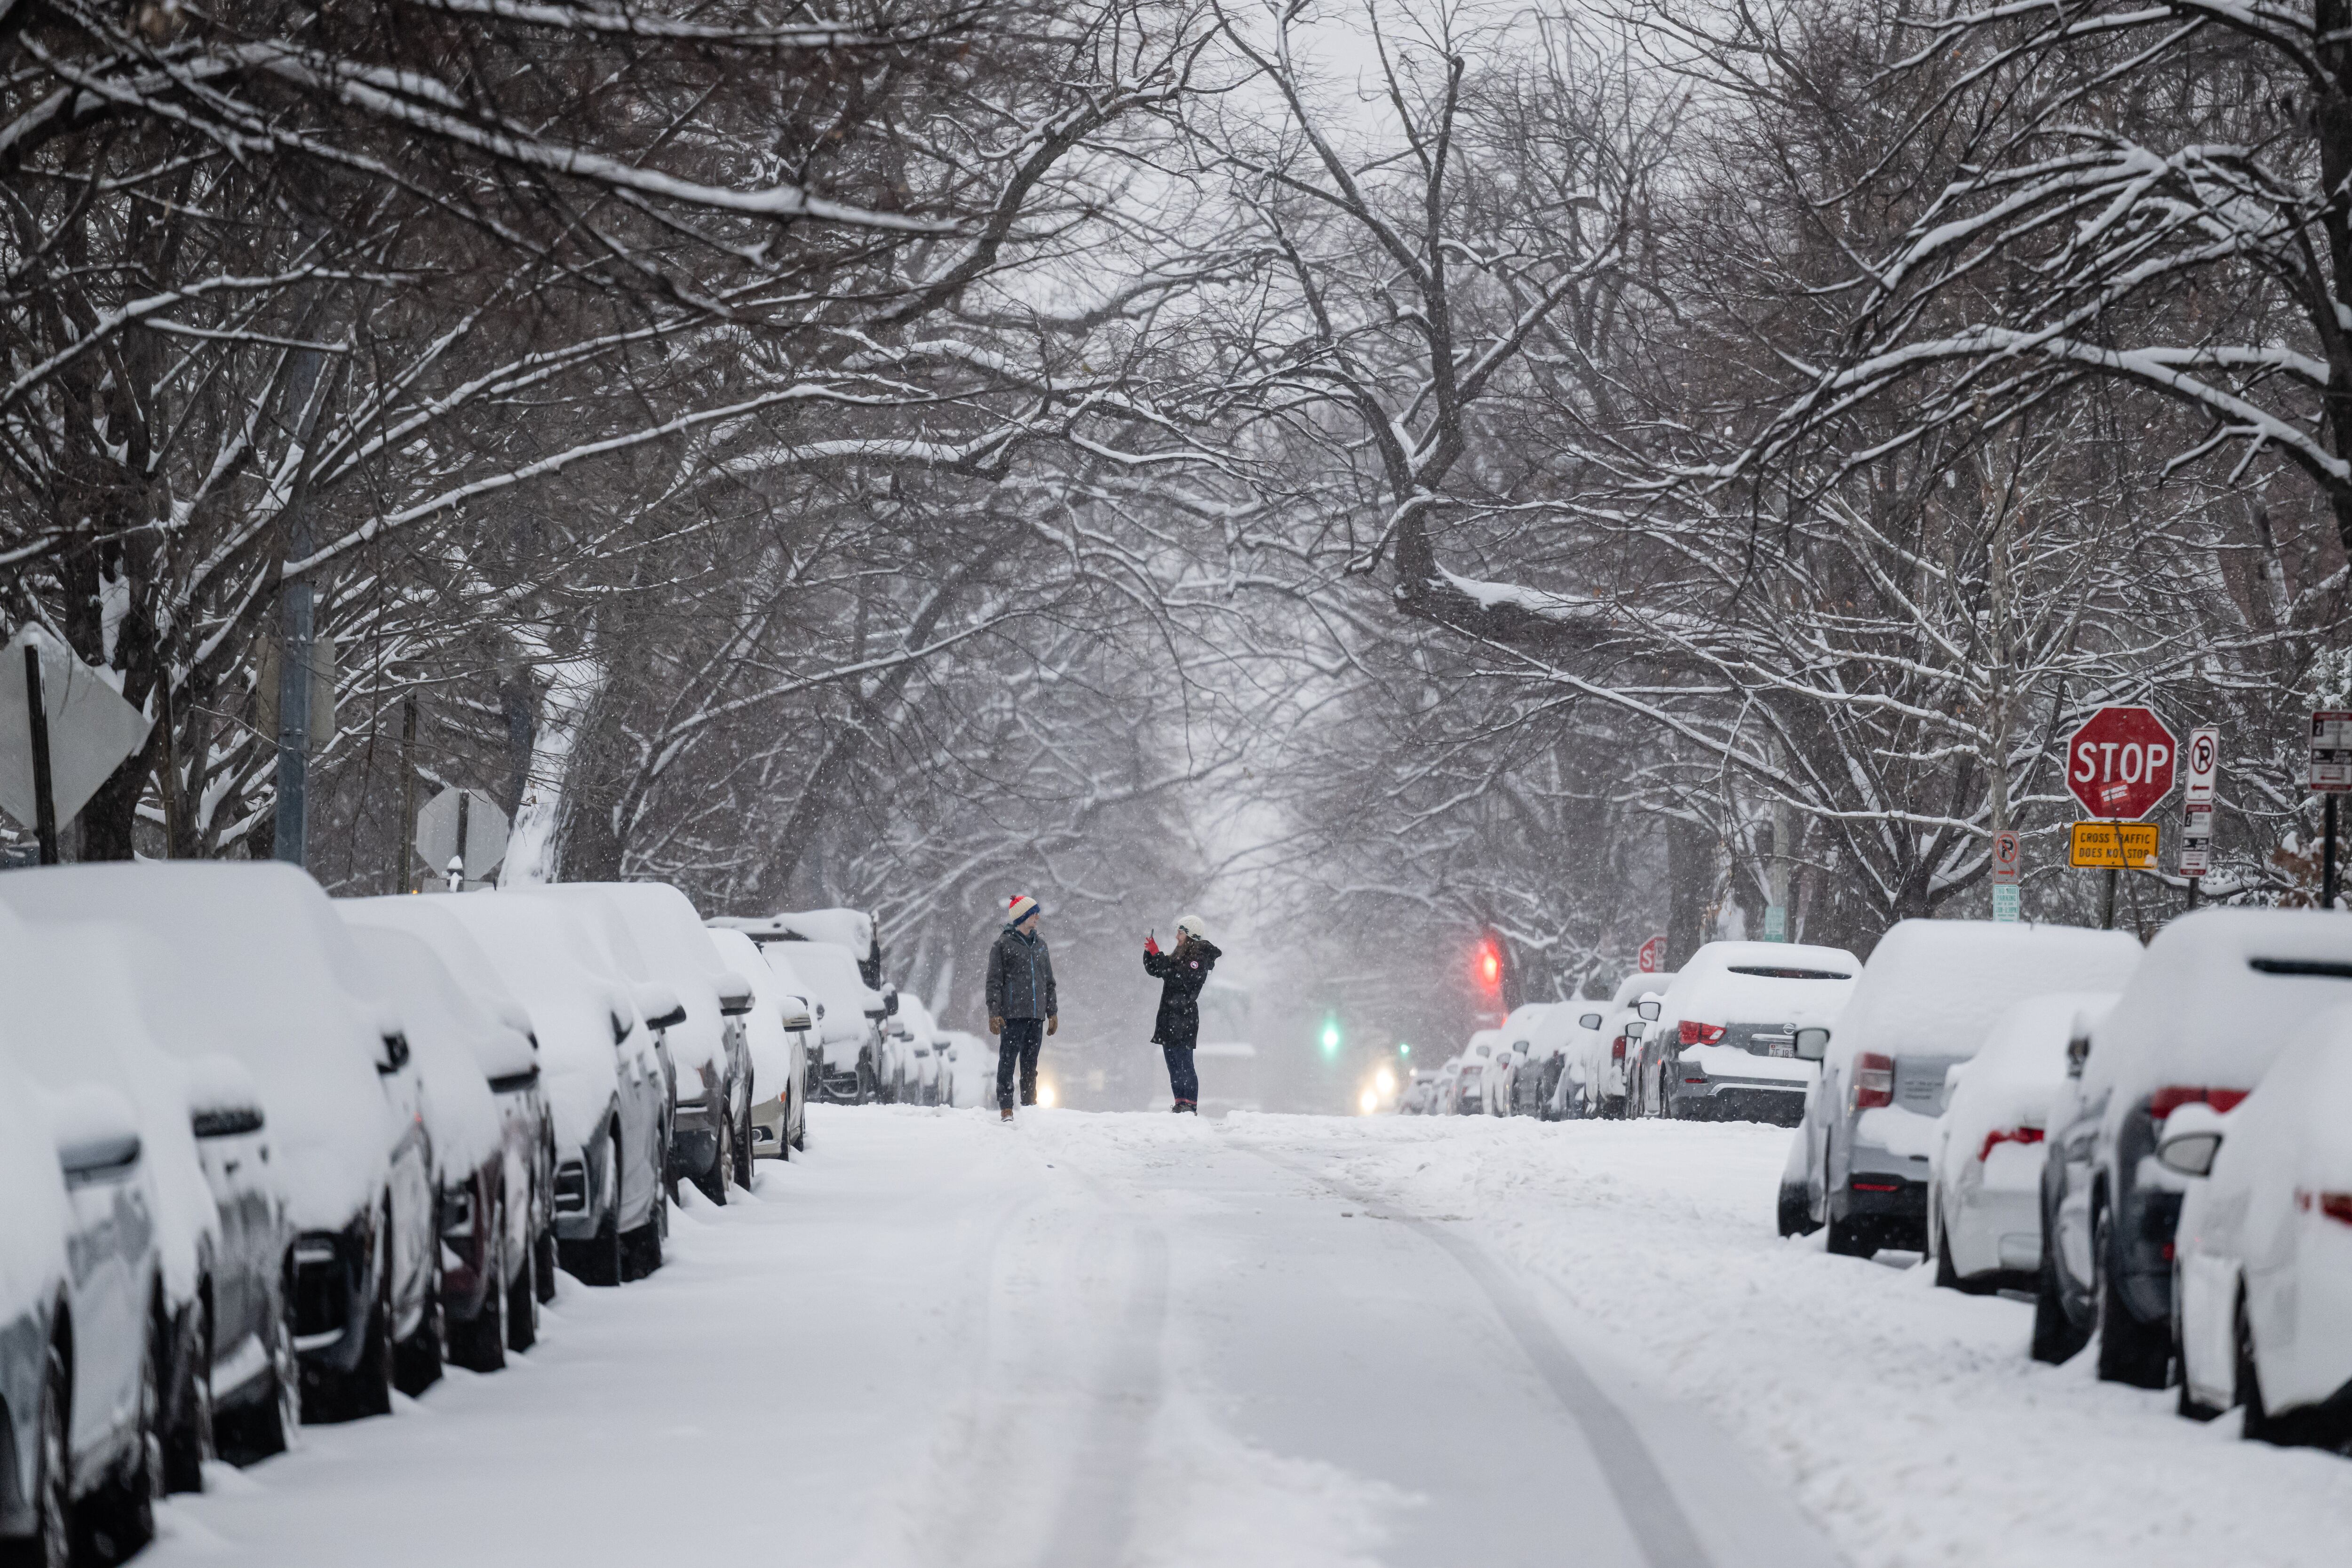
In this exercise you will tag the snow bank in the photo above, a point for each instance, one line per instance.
(1933, 988)
(447, 1035)
(2198, 1012)
(264, 972)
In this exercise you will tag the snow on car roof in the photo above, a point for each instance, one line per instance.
(449, 1037)
(656, 934)
(267, 973)
(1933, 987)
(1759, 981)
(2216, 998)
(852, 928)
(431, 922)
(830, 973)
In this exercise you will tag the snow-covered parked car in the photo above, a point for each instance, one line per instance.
(970, 1070)
(2263, 1268)
(1984, 1186)
(1477, 1060)
(1723, 1044)
(655, 934)
(605, 1074)
(1613, 1047)
(2216, 997)
(488, 1294)
(1419, 1089)
(269, 976)
(1568, 1048)
(925, 1044)
(849, 1055)
(1931, 990)
(504, 1042)
(80, 1345)
(1511, 1087)
(776, 1032)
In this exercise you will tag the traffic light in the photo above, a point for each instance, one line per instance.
(1489, 966)
(1331, 1035)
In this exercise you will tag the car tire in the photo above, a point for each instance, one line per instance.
(641, 1250)
(712, 1182)
(416, 1359)
(743, 1146)
(52, 1544)
(785, 1125)
(479, 1343)
(118, 1518)
(1796, 1215)
(255, 1429)
(522, 1303)
(866, 1084)
(800, 1139)
(2057, 1339)
(2130, 1351)
(191, 1437)
(543, 1266)
(366, 1389)
(597, 1262)
(1939, 1245)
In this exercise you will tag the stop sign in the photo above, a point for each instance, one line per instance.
(2119, 764)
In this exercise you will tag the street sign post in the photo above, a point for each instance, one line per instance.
(2201, 770)
(2119, 764)
(2331, 775)
(63, 732)
(463, 834)
(1652, 956)
(2007, 855)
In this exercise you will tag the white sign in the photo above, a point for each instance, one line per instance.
(2331, 752)
(2202, 761)
(2004, 902)
(92, 729)
(486, 832)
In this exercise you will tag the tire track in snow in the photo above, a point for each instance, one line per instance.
(1097, 1514)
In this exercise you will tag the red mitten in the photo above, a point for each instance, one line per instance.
(1152, 945)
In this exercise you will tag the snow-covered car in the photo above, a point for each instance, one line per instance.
(2263, 1273)
(1477, 1060)
(269, 975)
(654, 932)
(853, 930)
(776, 1032)
(1924, 1001)
(2218, 996)
(1723, 1045)
(605, 1074)
(846, 1060)
(1511, 1090)
(1614, 1048)
(504, 1046)
(1564, 1051)
(970, 1072)
(488, 1251)
(1444, 1089)
(1984, 1186)
(1420, 1089)
(925, 1042)
(81, 1342)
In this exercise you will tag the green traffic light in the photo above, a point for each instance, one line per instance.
(1331, 1036)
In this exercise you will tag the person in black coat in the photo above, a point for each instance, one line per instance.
(1182, 973)
(1023, 1006)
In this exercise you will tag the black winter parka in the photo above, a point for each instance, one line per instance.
(1021, 978)
(1182, 973)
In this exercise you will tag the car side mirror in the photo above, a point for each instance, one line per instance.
(735, 996)
(1813, 1045)
(394, 1056)
(1633, 1027)
(1589, 1021)
(2192, 1137)
(890, 1003)
(225, 1120)
(796, 1013)
(1650, 1010)
(97, 1134)
(2078, 1051)
(660, 1005)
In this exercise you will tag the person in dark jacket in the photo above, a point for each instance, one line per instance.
(1181, 973)
(1022, 1008)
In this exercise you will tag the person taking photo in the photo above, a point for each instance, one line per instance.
(1181, 971)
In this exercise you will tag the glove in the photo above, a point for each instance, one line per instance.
(1053, 1022)
(1152, 945)
(995, 1025)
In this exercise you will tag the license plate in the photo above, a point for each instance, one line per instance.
(1779, 1045)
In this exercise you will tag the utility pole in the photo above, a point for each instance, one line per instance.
(401, 851)
(291, 839)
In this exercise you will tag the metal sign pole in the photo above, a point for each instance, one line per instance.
(37, 719)
(2328, 859)
(2114, 874)
(408, 792)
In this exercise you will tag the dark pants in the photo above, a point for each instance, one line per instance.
(1181, 1076)
(1020, 1041)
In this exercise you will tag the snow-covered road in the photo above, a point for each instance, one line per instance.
(1144, 1340)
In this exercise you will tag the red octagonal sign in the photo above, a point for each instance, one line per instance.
(2119, 764)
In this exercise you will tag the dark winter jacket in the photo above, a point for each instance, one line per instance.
(1021, 978)
(1182, 973)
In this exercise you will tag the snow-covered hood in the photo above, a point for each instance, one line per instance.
(654, 934)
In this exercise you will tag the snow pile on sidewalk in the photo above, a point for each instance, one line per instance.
(1909, 1421)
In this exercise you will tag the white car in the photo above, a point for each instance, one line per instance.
(2263, 1273)
(1927, 996)
(1984, 1190)
(847, 1053)
(927, 1043)
(776, 1032)
(1470, 1097)
(1510, 1091)
(1722, 1047)
(968, 1070)
(1610, 1049)
(1445, 1089)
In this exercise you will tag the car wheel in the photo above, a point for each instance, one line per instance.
(1940, 1243)
(1795, 1210)
(543, 1265)
(865, 1085)
(119, 1518)
(800, 1137)
(270, 1424)
(366, 1389)
(2057, 1336)
(522, 1303)
(641, 1250)
(416, 1359)
(2260, 1426)
(2130, 1351)
(51, 1545)
(479, 1343)
(712, 1182)
(785, 1125)
(597, 1260)
(191, 1441)
(743, 1147)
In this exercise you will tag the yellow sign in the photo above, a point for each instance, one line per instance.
(2114, 845)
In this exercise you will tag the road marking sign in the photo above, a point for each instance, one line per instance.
(2114, 845)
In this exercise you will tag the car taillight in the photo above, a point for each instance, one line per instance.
(1617, 1049)
(2173, 1096)
(2007, 1135)
(1701, 1034)
(1873, 1080)
(2337, 1206)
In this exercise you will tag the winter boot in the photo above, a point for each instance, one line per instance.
(1007, 1110)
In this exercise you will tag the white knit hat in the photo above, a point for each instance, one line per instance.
(1193, 926)
(1022, 907)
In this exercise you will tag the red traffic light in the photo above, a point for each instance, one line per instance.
(1490, 966)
